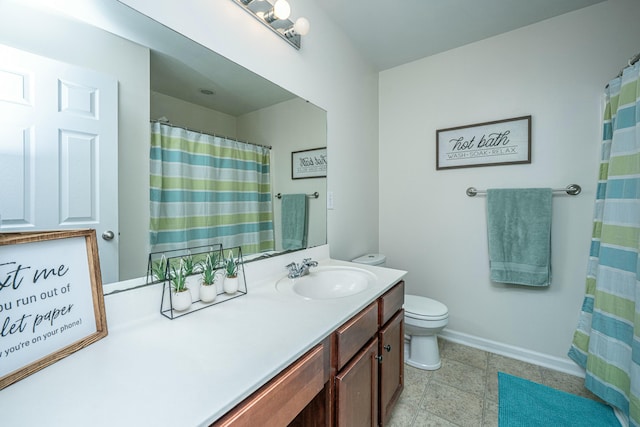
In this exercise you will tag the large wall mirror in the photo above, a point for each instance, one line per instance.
(159, 75)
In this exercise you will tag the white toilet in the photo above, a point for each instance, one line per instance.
(423, 319)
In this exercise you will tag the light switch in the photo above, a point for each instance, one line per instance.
(329, 199)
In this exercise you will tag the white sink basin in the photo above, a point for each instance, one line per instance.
(328, 282)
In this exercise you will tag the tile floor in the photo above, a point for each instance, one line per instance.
(464, 391)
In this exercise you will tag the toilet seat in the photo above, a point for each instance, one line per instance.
(426, 318)
(423, 308)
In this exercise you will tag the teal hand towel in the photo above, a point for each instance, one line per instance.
(294, 221)
(519, 235)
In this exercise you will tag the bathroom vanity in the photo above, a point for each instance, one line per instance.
(267, 358)
(369, 383)
(353, 378)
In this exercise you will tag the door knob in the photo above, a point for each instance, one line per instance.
(108, 235)
(387, 347)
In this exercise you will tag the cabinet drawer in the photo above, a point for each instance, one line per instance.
(391, 302)
(279, 401)
(351, 336)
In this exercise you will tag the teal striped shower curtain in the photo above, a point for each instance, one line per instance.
(206, 189)
(607, 340)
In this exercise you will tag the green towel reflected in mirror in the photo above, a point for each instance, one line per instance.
(294, 221)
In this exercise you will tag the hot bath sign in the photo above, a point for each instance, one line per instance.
(484, 144)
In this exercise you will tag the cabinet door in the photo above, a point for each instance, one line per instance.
(391, 339)
(357, 389)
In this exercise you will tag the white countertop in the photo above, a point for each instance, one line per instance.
(189, 371)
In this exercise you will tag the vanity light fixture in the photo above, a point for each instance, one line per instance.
(275, 16)
(301, 27)
(280, 10)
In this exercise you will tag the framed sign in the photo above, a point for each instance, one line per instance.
(503, 142)
(51, 301)
(309, 163)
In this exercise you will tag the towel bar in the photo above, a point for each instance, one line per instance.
(571, 189)
(315, 195)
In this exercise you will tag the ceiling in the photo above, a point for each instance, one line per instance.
(393, 32)
(235, 90)
(388, 33)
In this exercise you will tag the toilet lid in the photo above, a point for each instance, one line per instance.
(422, 307)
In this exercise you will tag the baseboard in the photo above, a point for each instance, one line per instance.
(552, 362)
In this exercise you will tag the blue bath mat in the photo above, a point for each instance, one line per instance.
(522, 403)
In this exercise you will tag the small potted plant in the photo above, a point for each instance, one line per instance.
(189, 269)
(180, 294)
(231, 275)
(209, 267)
(159, 269)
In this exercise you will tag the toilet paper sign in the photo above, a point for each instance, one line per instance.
(494, 143)
(51, 301)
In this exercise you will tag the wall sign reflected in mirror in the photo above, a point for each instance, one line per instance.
(161, 73)
(309, 163)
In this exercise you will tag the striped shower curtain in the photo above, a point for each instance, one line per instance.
(206, 190)
(607, 340)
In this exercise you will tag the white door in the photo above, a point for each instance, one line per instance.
(59, 150)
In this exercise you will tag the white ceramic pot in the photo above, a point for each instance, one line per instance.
(208, 292)
(219, 280)
(181, 301)
(193, 281)
(231, 285)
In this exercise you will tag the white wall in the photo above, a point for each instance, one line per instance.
(328, 72)
(192, 116)
(289, 126)
(555, 71)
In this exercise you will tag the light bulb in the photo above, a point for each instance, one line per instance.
(282, 9)
(301, 26)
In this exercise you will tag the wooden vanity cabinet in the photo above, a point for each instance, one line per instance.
(355, 355)
(357, 389)
(391, 378)
(368, 384)
(353, 378)
(391, 342)
(302, 387)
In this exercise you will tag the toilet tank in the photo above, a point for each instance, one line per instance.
(371, 259)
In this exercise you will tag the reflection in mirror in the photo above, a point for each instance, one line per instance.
(160, 74)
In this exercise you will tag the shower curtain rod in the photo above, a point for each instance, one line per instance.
(571, 189)
(630, 62)
(166, 122)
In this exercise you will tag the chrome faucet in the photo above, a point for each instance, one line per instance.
(299, 270)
